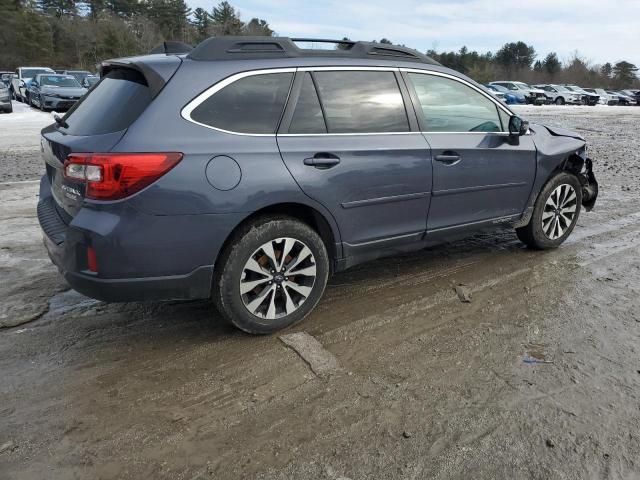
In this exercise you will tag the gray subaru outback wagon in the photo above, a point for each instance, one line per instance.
(248, 170)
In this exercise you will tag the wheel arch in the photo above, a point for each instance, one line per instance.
(572, 163)
(326, 228)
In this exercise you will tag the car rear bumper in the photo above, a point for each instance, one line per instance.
(67, 254)
(140, 258)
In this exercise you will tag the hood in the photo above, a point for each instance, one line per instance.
(536, 90)
(64, 91)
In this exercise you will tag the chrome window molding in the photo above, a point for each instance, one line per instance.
(195, 102)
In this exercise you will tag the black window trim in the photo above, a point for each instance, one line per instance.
(418, 107)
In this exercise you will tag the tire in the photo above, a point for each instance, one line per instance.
(544, 235)
(263, 310)
(559, 101)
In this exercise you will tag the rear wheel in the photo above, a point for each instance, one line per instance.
(555, 213)
(271, 276)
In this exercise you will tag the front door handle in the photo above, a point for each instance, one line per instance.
(448, 158)
(322, 160)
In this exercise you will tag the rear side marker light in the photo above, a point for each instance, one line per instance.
(113, 176)
(92, 260)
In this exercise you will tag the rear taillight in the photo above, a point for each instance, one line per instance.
(112, 176)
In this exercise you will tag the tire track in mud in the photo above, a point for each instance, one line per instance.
(444, 295)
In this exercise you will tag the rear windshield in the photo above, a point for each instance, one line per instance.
(112, 105)
(32, 72)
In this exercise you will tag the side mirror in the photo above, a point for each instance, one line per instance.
(517, 126)
(22, 84)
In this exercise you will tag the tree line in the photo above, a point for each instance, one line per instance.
(517, 61)
(82, 33)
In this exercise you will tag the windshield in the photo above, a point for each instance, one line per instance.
(32, 72)
(522, 86)
(59, 81)
(560, 88)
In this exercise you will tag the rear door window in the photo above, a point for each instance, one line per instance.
(361, 102)
(112, 105)
(251, 104)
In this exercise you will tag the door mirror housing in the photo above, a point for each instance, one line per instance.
(517, 126)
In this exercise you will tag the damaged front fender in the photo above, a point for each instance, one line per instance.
(561, 150)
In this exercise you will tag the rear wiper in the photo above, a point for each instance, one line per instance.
(60, 121)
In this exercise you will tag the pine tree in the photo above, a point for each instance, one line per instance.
(202, 23)
(226, 21)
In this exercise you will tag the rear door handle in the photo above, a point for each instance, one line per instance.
(322, 160)
(448, 158)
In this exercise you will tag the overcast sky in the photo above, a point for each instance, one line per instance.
(601, 30)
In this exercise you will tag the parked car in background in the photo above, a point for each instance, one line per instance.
(623, 98)
(532, 95)
(250, 170)
(635, 94)
(509, 97)
(89, 81)
(5, 77)
(605, 98)
(588, 98)
(79, 74)
(55, 92)
(561, 95)
(22, 77)
(5, 99)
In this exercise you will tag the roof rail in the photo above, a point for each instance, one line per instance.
(233, 48)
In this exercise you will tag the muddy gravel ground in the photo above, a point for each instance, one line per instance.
(537, 377)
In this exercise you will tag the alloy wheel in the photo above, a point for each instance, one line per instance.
(277, 278)
(559, 211)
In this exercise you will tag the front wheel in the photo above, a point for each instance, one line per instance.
(559, 101)
(271, 275)
(555, 213)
